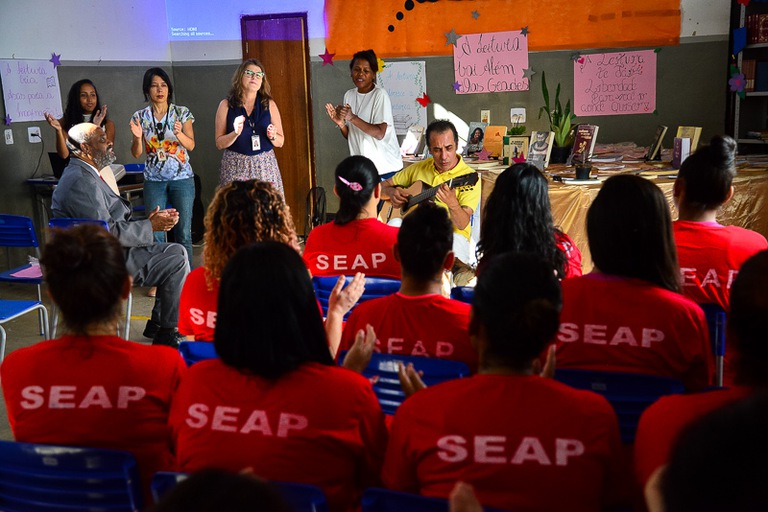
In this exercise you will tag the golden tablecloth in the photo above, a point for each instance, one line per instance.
(570, 203)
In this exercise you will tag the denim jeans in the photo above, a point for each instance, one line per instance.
(179, 194)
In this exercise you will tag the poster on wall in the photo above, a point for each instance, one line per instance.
(609, 84)
(491, 62)
(30, 89)
(404, 82)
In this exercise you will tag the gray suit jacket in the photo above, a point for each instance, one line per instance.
(81, 194)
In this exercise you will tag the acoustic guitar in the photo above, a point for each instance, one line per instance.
(420, 191)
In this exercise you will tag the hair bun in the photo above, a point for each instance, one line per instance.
(723, 148)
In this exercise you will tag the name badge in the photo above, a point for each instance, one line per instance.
(255, 143)
(161, 155)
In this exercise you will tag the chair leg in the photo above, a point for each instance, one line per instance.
(128, 307)
(54, 320)
(2, 343)
(43, 329)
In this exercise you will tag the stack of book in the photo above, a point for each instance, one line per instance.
(757, 28)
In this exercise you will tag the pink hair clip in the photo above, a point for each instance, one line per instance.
(353, 185)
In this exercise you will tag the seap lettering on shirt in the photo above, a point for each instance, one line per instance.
(706, 277)
(341, 263)
(396, 346)
(501, 450)
(233, 419)
(77, 397)
(597, 334)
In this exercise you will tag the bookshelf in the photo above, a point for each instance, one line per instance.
(748, 117)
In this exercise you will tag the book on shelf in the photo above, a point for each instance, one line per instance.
(692, 132)
(654, 150)
(540, 148)
(681, 149)
(494, 140)
(748, 68)
(757, 28)
(583, 143)
(413, 143)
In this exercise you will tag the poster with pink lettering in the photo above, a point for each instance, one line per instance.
(610, 84)
(492, 62)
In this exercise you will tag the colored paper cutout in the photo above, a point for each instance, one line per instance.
(483, 154)
(420, 30)
(55, 59)
(475, 15)
(494, 62)
(424, 100)
(737, 82)
(451, 37)
(456, 86)
(528, 73)
(381, 63)
(7, 120)
(619, 83)
(524, 31)
(327, 57)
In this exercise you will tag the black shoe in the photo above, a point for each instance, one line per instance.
(169, 338)
(151, 330)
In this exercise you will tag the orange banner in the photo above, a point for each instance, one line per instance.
(415, 28)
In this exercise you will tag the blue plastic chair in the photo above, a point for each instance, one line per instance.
(11, 309)
(716, 319)
(628, 393)
(463, 293)
(375, 287)
(69, 222)
(387, 387)
(37, 477)
(300, 497)
(384, 500)
(196, 351)
(18, 231)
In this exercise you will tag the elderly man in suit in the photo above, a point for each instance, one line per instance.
(81, 193)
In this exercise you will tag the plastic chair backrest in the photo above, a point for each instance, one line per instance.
(36, 477)
(17, 231)
(375, 287)
(463, 293)
(66, 222)
(300, 497)
(716, 319)
(384, 500)
(196, 351)
(628, 393)
(388, 389)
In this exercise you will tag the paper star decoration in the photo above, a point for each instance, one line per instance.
(483, 154)
(7, 119)
(451, 37)
(475, 14)
(524, 31)
(424, 100)
(55, 59)
(327, 57)
(456, 86)
(381, 63)
(528, 73)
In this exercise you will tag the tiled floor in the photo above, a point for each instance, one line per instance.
(24, 331)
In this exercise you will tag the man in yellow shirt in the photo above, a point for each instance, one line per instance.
(444, 164)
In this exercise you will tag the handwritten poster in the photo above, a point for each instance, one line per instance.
(404, 82)
(30, 88)
(609, 84)
(492, 62)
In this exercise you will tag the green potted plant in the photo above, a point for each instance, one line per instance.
(559, 122)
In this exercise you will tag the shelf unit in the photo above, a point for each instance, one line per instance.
(751, 113)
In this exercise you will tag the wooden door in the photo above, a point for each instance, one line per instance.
(280, 42)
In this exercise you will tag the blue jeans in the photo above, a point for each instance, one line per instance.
(178, 194)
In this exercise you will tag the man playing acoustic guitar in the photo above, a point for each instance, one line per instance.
(444, 165)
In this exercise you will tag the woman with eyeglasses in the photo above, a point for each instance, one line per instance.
(164, 131)
(248, 127)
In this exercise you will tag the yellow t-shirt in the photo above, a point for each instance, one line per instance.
(425, 171)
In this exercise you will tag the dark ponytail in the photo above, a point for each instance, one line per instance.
(356, 179)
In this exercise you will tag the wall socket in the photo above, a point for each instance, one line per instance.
(33, 132)
(8, 136)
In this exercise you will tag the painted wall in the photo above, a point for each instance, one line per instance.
(113, 42)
